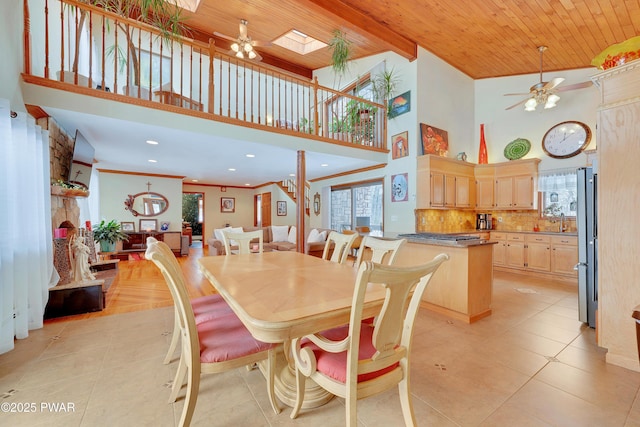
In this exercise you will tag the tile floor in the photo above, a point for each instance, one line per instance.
(529, 364)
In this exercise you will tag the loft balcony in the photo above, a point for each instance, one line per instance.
(89, 51)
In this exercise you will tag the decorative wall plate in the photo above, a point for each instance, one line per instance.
(517, 149)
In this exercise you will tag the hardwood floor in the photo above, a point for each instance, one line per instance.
(139, 286)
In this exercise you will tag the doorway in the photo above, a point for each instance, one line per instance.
(193, 216)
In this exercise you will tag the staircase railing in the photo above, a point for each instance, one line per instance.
(106, 55)
(289, 186)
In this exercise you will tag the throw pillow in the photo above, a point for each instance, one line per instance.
(234, 230)
(292, 235)
(317, 237)
(217, 233)
(280, 233)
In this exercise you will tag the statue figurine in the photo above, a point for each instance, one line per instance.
(79, 255)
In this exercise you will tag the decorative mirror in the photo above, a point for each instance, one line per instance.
(316, 203)
(146, 204)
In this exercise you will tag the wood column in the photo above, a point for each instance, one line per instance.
(301, 177)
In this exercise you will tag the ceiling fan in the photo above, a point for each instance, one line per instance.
(242, 46)
(545, 92)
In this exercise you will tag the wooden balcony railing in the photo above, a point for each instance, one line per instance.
(96, 52)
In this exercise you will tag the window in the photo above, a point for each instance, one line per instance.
(559, 193)
(357, 205)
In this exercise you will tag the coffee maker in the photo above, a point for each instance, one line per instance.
(483, 221)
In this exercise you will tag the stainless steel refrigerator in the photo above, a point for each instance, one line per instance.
(587, 223)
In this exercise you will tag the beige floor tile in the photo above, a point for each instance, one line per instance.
(532, 342)
(549, 330)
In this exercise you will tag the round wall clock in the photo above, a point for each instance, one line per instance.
(566, 139)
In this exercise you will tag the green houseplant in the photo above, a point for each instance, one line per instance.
(108, 233)
(360, 120)
(384, 86)
(340, 53)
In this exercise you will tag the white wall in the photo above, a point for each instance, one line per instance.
(502, 127)
(115, 187)
(12, 52)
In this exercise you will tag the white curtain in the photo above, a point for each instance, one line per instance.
(557, 180)
(26, 246)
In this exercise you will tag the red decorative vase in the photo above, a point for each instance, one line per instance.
(483, 158)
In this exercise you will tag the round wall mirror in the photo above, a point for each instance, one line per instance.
(316, 203)
(146, 204)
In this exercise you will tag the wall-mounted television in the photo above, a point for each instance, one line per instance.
(82, 161)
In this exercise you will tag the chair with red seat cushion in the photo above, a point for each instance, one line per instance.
(360, 359)
(217, 344)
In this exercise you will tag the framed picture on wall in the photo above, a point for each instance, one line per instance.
(148, 225)
(227, 204)
(127, 227)
(400, 145)
(434, 140)
(399, 187)
(282, 208)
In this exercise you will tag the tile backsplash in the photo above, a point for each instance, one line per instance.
(453, 220)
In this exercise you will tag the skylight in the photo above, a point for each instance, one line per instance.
(299, 42)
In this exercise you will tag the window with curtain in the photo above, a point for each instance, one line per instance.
(26, 245)
(559, 190)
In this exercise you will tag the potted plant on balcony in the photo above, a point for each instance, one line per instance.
(163, 15)
(360, 119)
(108, 233)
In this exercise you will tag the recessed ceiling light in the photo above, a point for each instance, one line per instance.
(251, 155)
(153, 161)
(292, 174)
(194, 180)
(248, 185)
(149, 141)
(232, 169)
(324, 165)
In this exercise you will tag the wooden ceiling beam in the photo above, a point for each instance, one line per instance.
(368, 25)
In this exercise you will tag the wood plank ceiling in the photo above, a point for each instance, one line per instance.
(481, 38)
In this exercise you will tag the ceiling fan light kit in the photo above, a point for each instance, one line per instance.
(544, 93)
(242, 46)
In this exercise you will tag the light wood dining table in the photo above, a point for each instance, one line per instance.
(283, 295)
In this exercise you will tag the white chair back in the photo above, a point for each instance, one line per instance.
(244, 240)
(341, 244)
(382, 251)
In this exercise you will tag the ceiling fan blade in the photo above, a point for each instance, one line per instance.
(258, 56)
(517, 94)
(552, 83)
(519, 103)
(224, 36)
(260, 44)
(243, 29)
(575, 86)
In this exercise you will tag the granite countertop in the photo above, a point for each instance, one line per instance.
(415, 238)
(553, 233)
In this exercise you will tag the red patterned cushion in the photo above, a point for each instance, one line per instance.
(226, 338)
(334, 365)
(209, 307)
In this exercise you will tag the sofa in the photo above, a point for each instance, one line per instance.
(274, 239)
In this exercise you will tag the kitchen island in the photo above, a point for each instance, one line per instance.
(462, 287)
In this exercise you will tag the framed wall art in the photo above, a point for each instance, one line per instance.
(127, 227)
(434, 140)
(400, 145)
(148, 225)
(227, 204)
(400, 187)
(399, 105)
(282, 208)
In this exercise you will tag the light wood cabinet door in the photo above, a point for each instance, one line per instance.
(564, 258)
(423, 193)
(437, 189)
(504, 192)
(514, 256)
(500, 253)
(484, 193)
(539, 256)
(450, 191)
(523, 192)
(463, 191)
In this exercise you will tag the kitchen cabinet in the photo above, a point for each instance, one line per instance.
(537, 254)
(514, 254)
(444, 183)
(516, 184)
(564, 255)
(500, 248)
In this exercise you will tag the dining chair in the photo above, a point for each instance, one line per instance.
(363, 229)
(341, 244)
(244, 241)
(359, 360)
(216, 345)
(356, 242)
(382, 251)
(204, 308)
